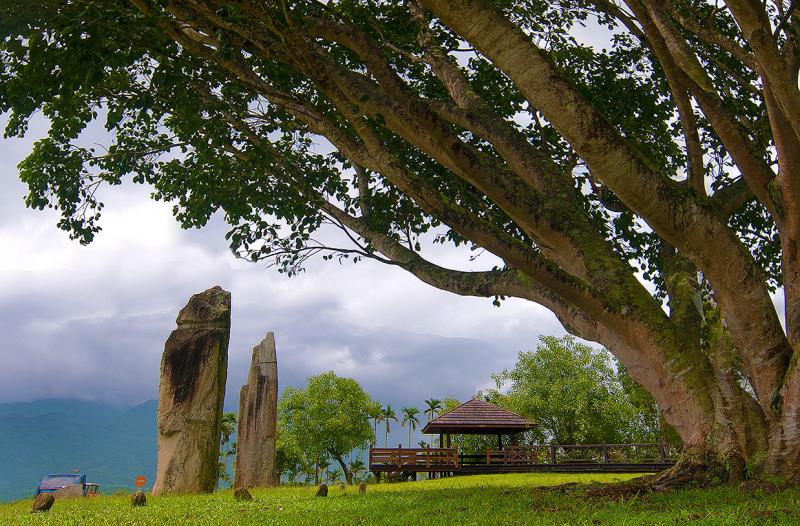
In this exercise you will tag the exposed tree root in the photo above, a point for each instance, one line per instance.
(699, 468)
(620, 490)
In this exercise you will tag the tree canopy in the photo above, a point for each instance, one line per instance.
(631, 165)
(577, 395)
(326, 420)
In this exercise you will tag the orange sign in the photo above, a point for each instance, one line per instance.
(140, 480)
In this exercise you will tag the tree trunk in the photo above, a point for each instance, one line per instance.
(348, 476)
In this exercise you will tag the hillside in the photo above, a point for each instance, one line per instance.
(111, 445)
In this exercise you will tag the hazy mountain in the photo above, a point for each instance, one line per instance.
(111, 445)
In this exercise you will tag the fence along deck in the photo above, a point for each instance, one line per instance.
(573, 458)
(413, 459)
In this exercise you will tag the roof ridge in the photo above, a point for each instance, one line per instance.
(475, 399)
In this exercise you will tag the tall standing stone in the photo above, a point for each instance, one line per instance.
(258, 413)
(193, 373)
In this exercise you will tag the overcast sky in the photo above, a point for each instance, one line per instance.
(90, 322)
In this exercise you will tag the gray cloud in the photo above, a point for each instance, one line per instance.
(90, 322)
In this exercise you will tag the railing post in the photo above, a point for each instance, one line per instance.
(605, 453)
(662, 453)
(553, 454)
(488, 456)
(399, 456)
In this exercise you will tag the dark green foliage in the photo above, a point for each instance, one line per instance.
(577, 395)
(169, 118)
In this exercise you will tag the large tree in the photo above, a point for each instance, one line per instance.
(645, 190)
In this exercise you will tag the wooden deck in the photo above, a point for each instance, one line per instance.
(556, 458)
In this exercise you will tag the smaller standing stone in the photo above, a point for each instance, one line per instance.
(362, 487)
(258, 414)
(43, 502)
(138, 499)
(343, 487)
(323, 490)
(242, 494)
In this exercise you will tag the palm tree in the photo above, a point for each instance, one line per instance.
(434, 406)
(410, 417)
(356, 468)
(333, 476)
(388, 416)
(228, 427)
(376, 414)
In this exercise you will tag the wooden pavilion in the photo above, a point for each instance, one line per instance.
(477, 417)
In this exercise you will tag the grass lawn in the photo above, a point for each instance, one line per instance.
(485, 499)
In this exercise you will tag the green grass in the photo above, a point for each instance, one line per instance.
(487, 499)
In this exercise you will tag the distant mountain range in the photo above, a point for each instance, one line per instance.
(111, 445)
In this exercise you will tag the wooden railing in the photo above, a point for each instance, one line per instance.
(551, 457)
(413, 459)
(580, 454)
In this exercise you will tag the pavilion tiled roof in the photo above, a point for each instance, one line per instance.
(478, 417)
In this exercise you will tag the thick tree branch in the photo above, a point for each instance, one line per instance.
(679, 219)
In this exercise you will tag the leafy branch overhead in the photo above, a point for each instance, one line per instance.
(631, 165)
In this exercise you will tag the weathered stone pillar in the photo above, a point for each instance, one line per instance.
(193, 373)
(258, 414)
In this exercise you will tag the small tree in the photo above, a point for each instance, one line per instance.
(328, 418)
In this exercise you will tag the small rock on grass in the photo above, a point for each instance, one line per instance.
(138, 499)
(43, 502)
(323, 490)
(242, 494)
(362, 487)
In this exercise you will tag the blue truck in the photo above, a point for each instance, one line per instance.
(53, 482)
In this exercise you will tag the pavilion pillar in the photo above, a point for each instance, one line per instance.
(499, 442)
(448, 440)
